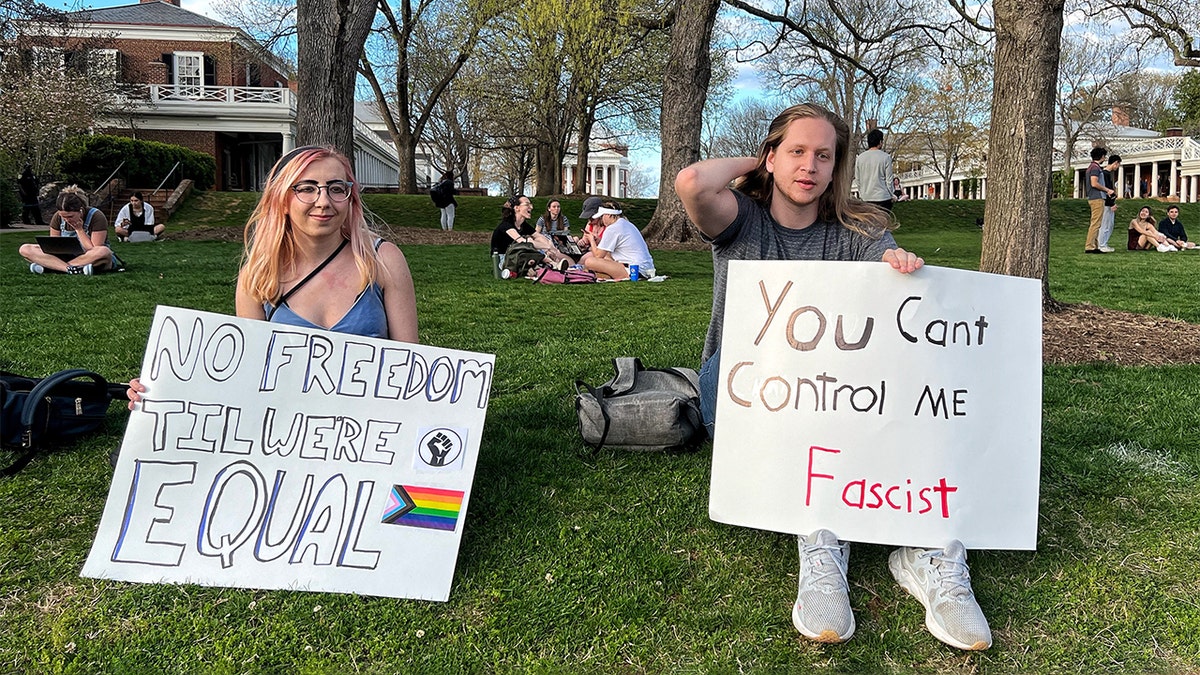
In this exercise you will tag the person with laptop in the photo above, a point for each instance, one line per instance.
(74, 219)
(135, 222)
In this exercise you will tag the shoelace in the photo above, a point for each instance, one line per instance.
(952, 573)
(823, 561)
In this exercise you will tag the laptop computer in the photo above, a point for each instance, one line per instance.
(566, 244)
(65, 248)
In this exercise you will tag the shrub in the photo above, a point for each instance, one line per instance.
(1062, 183)
(88, 160)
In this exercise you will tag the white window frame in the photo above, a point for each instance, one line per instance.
(189, 73)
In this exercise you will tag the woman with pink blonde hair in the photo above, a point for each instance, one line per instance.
(311, 260)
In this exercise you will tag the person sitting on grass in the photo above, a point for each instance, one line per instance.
(74, 218)
(553, 221)
(515, 228)
(620, 247)
(593, 227)
(138, 216)
(311, 260)
(792, 202)
(1172, 229)
(1143, 236)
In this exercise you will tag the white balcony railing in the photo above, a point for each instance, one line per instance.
(1191, 150)
(1082, 154)
(170, 94)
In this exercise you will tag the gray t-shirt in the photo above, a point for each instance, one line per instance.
(1094, 170)
(754, 235)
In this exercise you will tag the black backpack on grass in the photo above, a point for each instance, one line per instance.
(39, 413)
(522, 257)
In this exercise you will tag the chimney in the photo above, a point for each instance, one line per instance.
(169, 2)
(1120, 117)
(1174, 132)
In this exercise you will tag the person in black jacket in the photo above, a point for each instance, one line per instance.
(442, 195)
(27, 186)
(1173, 230)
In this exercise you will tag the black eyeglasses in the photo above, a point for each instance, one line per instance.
(309, 193)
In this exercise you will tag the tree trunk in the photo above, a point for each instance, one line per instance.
(685, 88)
(406, 154)
(549, 169)
(329, 43)
(1016, 235)
(583, 183)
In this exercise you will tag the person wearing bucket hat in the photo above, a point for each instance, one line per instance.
(620, 246)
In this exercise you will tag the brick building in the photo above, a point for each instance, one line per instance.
(186, 79)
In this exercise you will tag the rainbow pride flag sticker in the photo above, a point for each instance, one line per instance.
(428, 507)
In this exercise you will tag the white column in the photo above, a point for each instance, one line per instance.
(1153, 180)
(1121, 181)
(983, 188)
(289, 142)
(1174, 178)
(1075, 184)
(1137, 181)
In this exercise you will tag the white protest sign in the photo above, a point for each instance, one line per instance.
(272, 456)
(887, 408)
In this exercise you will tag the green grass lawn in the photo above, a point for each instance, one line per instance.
(600, 563)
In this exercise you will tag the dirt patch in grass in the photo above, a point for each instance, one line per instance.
(1085, 333)
(1080, 333)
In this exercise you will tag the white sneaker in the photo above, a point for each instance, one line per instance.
(1107, 249)
(1166, 248)
(822, 610)
(940, 580)
(36, 268)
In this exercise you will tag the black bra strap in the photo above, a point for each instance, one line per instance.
(308, 278)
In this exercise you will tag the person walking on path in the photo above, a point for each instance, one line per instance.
(443, 198)
(1097, 191)
(28, 189)
(873, 172)
(792, 202)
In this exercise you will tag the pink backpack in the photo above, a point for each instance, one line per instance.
(549, 275)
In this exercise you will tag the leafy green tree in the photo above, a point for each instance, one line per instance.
(947, 127)
(428, 44)
(1187, 103)
(1146, 97)
(557, 68)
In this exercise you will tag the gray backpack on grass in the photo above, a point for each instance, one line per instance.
(641, 408)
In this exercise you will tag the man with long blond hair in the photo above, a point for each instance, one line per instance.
(792, 202)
